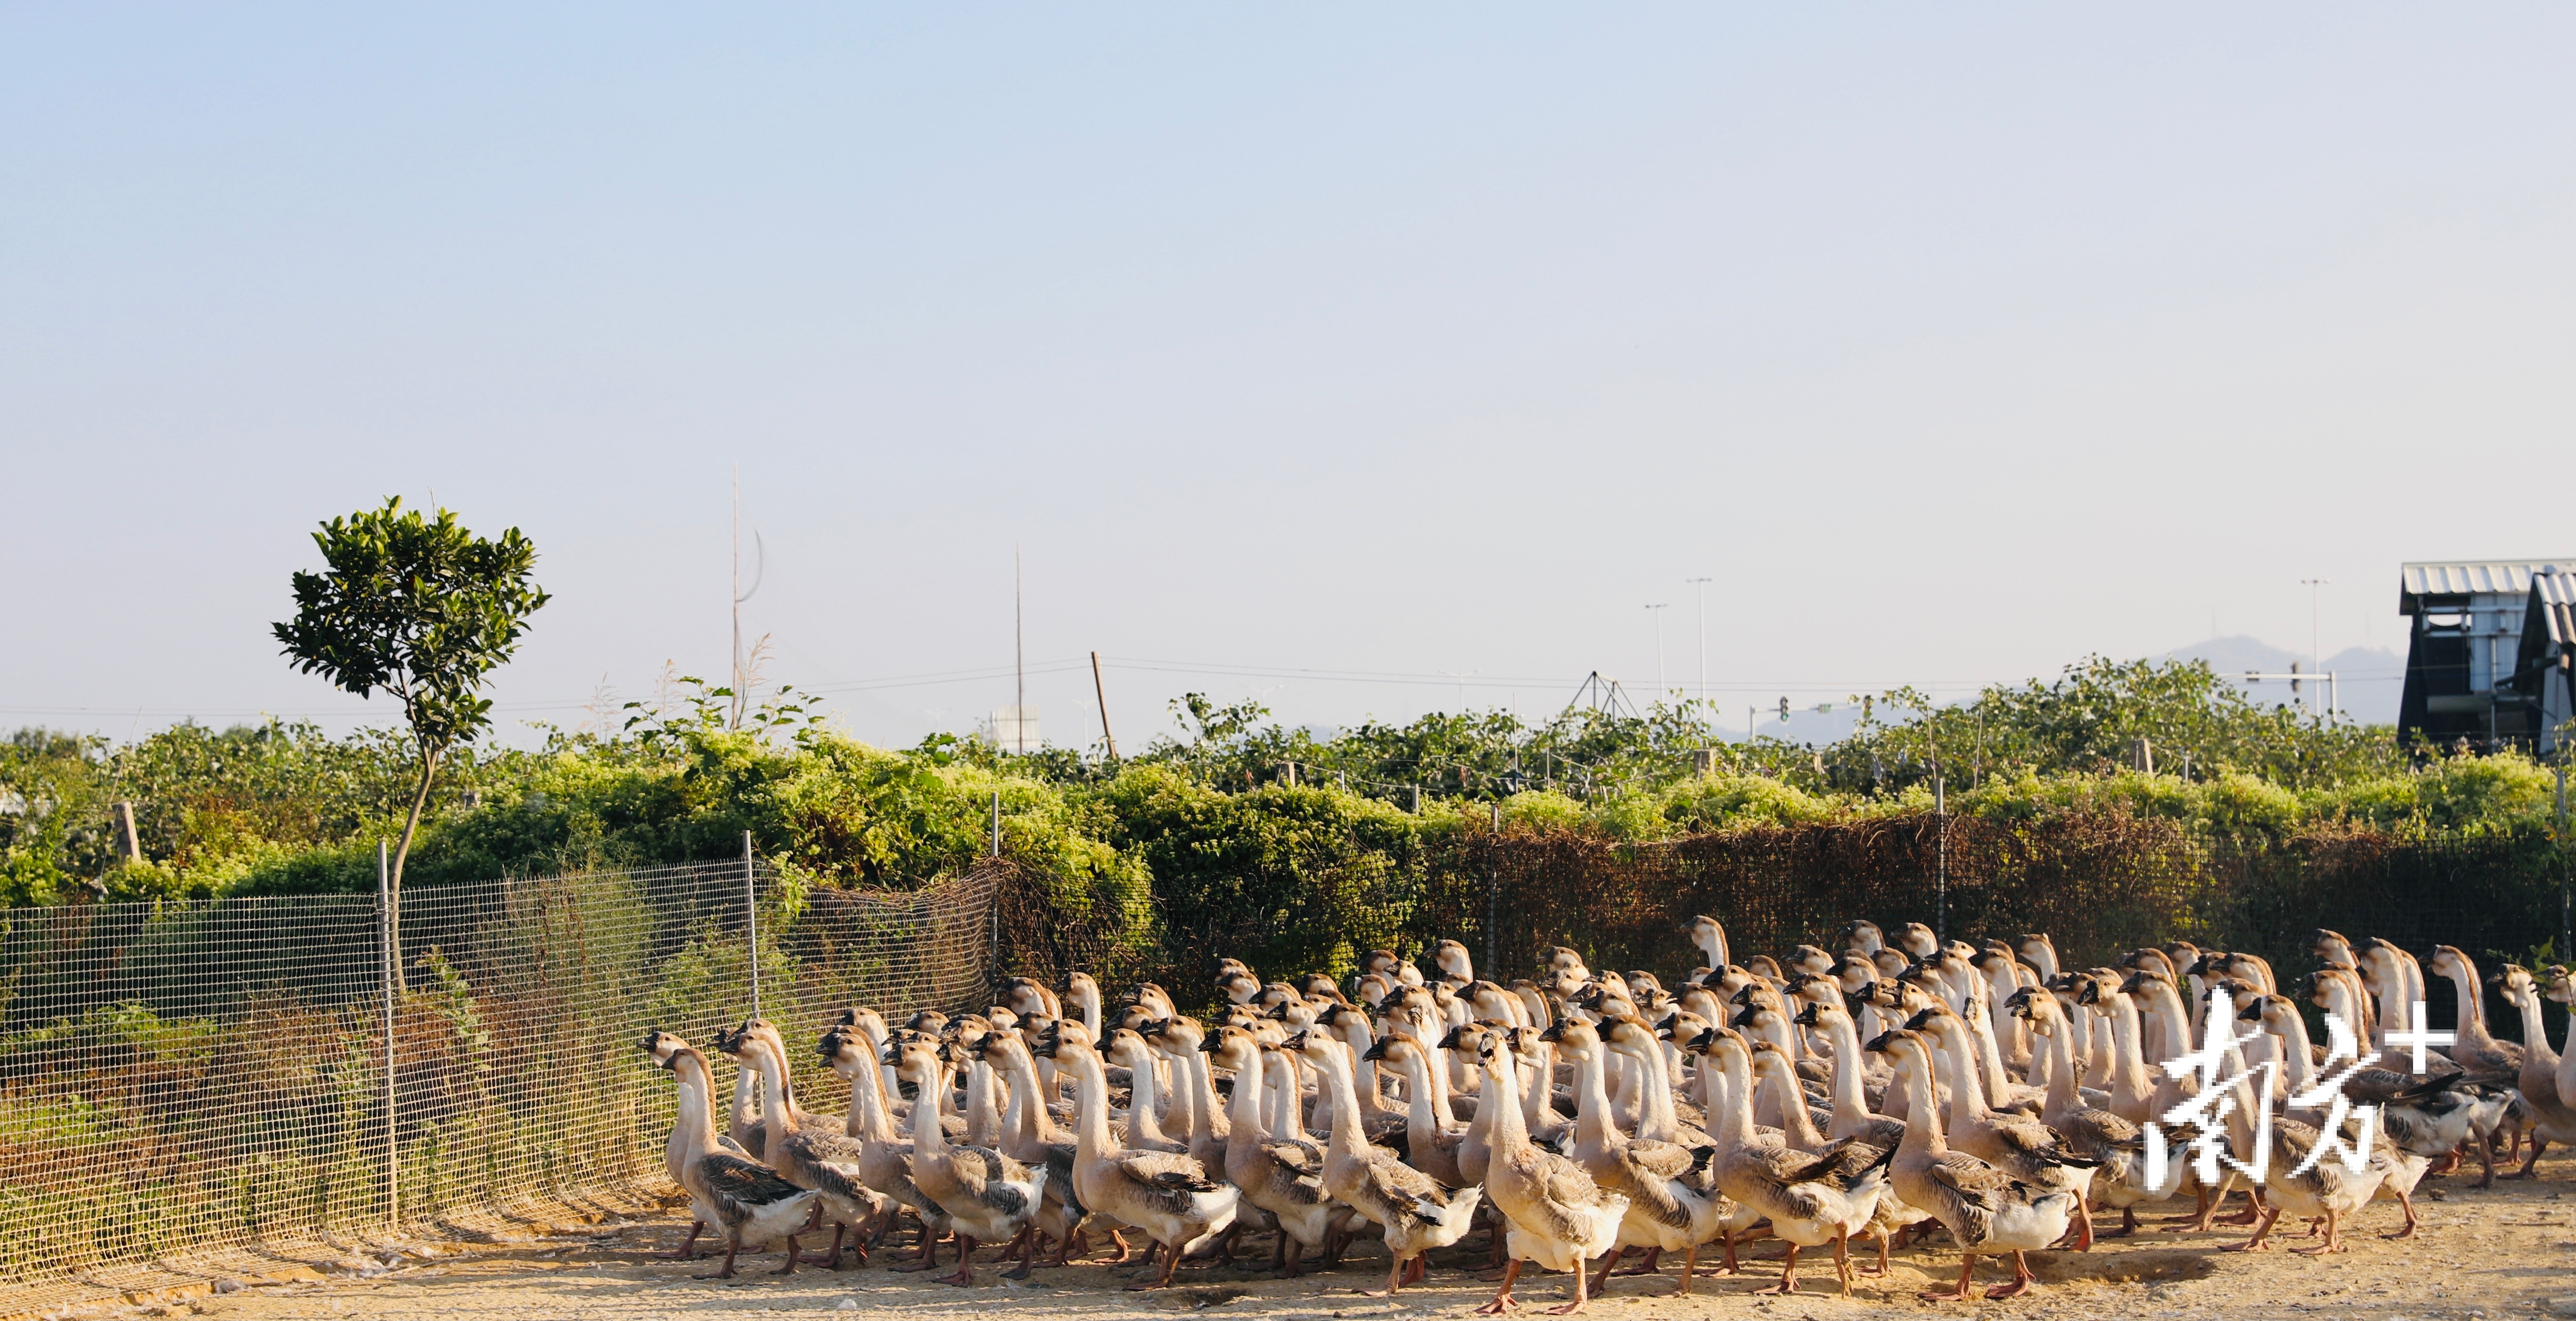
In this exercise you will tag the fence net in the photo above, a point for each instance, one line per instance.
(2097, 886)
(176, 1078)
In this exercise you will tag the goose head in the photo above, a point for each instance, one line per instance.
(1230, 1048)
(661, 1046)
(1372, 989)
(1891, 963)
(1863, 938)
(1451, 958)
(1680, 1026)
(1917, 939)
(1080, 986)
(844, 1050)
(1239, 987)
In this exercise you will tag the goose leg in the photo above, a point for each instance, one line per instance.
(1882, 1255)
(2333, 1243)
(1842, 1259)
(688, 1248)
(1582, 1296)
(1418, 1268)
(2128, 1224)
(1394, 1280)
(965, 1254)
(1171, 1263)
(1651, 1265)
(2537, 1142)
(1788, 1275)
(1959, 1292)
(1690, 1263)
(833, 1263)
(1027, 1243)
(2405, 1203)
(2021, 1280)
(1603, 1284)
(2256, 1243)
(1503, 1301)
(732, 1246)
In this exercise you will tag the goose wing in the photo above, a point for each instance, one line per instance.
(1660, 1160)
(1304, 1162)
(1402, 1187)
(740, 1187)
(2039, 1143)
(1169, 1179)
(1974, 1183)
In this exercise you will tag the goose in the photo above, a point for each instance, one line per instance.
(1430, 1146)
(1179, 1039)
(660, 1045)
(2026, 1149)
(1891, 1216)
(1384, 1124)
(1284, 1177)
(988, 1196)
(2120, 1176)
(1128, 1050)
(1811, 1200)
(2327, 1189)
(1169, 1197)
(2432, 1117)
(1416, 1212)
(740, 1196)
(1850, 1116)
(2476, 1050)
(885, 1159)
(1673, 1206)
(1708, 936)
(2280, 1016)
(1985, 1209)
(813, 1151)
(744, 1129)
(1029, 1136)
(1555, 1214)
(2548, 1117)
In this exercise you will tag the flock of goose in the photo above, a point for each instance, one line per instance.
(1898, 1086)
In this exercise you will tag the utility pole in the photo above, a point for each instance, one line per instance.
(1702, 584)
(737, 596)
(1100, 691)
(2316, 652)
(1019, 658)
(1658, 609)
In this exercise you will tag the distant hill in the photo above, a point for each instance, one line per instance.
(2369, 679)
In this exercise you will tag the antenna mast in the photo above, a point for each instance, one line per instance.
(1019, 655)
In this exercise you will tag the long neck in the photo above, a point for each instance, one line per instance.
(778, 1104)
(1348, 1138)
(2128, 1065)
(1592, 1126)
(928, 1138)
(1851, 1096)
(746, 1096)
(1988, 1059)
(1967, 1093)
(1144, 1123)
(1203, 1098)
(1922, 1114)
(2044, 959)
(1243, 1117)
(2473, 1010)
(1421, 1120)
(2293, 1031)
(2058, 1043)
(694, 1118)
(1796, 1120)
(1088, 1001)
(1735, 1109)
(981, 1114)
(2534, 1036)
(1292, 1097)
(1538, 1094)
(1502, 1078)
(1183, 1093)
(1091, 1101)
(1658, 1120)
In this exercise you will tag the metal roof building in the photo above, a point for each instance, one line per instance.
(2545, 664)
(2466, 651)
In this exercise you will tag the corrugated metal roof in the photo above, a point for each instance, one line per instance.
(2470, 578)
(2555, 593)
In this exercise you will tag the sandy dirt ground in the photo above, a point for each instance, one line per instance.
(2507, 1251)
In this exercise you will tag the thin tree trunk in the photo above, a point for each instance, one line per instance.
(420, 799)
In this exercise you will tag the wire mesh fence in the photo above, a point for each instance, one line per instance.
(184, 1077)
(2099, 886)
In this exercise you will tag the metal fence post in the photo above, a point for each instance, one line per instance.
(1940, 858)
(391, 946)
(751, 920)
(1493, 901)
(2566, 940)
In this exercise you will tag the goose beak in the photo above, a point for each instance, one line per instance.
(1743, 1018)
(1376, 1050)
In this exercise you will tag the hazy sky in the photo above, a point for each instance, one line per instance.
(1288, 344)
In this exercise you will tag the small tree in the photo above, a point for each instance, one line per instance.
(420, 608)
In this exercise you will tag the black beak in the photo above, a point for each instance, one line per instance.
(1376, 1050)
(1207, 1045)
(1743, 1018)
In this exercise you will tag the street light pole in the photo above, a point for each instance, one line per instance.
(2316, 651)
(1702, 584)
(1658, 608)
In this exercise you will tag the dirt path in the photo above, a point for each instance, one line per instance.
(2480, 1255)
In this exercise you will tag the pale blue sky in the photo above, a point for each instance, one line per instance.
(1953, 343)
